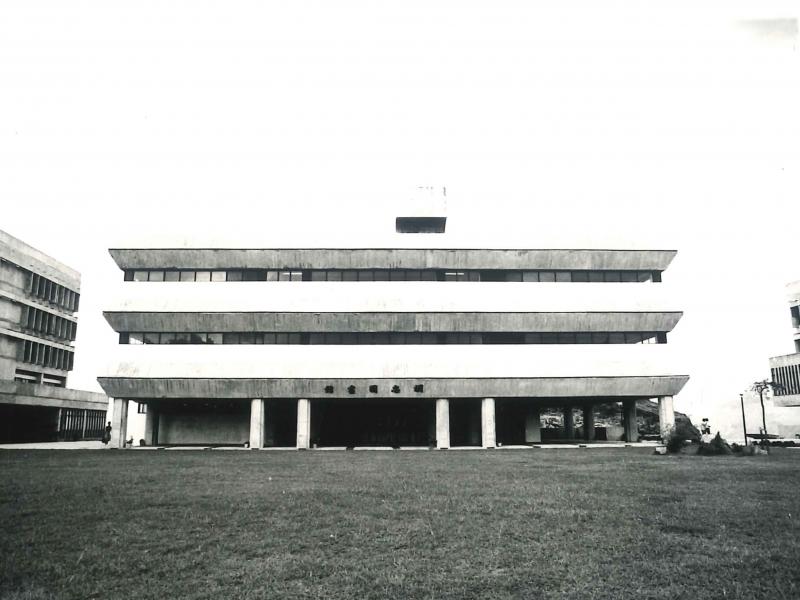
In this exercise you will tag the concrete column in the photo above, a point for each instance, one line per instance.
(488, 428)
(119, 423)
(666, 415)
(588, 422)
(442, 423)
(569, 423)
(257, 423)
(303, 424)
(151, 425)
(533, 425)
(629, 420)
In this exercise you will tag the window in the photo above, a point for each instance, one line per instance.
(187, 276)
(151, 338)
(167, 338)
(548, 276)
(156, 276)
(136, 338)
(140, 275)
(217, 275)
(203, 276)
(563, 276)
(349, 275)
(171, 276)
(234, 275)
(141, 408)
(214, 338)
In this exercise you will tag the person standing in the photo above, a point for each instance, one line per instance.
(107, 434)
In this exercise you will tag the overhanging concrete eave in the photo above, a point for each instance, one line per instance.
(392, 321)
(392, 257)
(32, 394)
(498, 387)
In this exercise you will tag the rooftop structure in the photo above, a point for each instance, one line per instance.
(413, 344)
(39, 299)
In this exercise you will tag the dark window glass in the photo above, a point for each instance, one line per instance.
(230, 338)
(596, 276)
(427, 275)
(247, 338)
(381, 338)
(349, 276)
(128, 275)
(413, 276)
(566, 338)
(600, 337)
(281, 338)
(397, 275)
(316, 338)
(171, 276)
(269, 338)
(214, 338)
(151, 338)
(187, 276)
(514, 276)
(612, 276)
(334, 275)
(318, 276)
(366, 276)
(294, 338)
(381, 275)
(616, 338)
(182, 338)
(253, 275)
(548, 276)
(628, 276)
(197, 338)
(530, 276)
(234, 275)
(563, 276)
(549, 337)
(167, 338)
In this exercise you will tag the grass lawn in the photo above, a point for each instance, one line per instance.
(601, 523)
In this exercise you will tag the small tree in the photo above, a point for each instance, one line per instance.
(761, 387)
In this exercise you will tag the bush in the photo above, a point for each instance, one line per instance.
(675, 441)
(715, 447)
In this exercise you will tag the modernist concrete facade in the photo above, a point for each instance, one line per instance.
(39, 299)
(417, 344)
(786, 369)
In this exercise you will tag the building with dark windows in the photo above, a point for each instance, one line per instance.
(39, 299)
(418, 343)
(786, 369)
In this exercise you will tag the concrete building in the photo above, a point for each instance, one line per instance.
(786, 369)
(39, 299)
(412, 343)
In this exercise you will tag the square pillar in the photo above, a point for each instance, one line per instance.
(533, 425)
(303, 424)
(629, 421)
(588, 422)
(569, 423)
(119, 423)
(256, 423)
(488, 429)
(151, 425)
(666, 416)
(442, 423)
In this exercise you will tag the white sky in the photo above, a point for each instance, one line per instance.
(669, 125)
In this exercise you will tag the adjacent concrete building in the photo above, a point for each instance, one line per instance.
(39, 299)
(786, 369)
(417, 343)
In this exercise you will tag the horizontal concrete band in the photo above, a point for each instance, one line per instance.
(48, 308)
(390, 258)
(392, 321)
(786, 360)
(33, 394)
(21, 254)
(39, 340)
(788, 401)
(389, 296)
(574, 387)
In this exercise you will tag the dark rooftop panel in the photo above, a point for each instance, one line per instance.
(420, 224)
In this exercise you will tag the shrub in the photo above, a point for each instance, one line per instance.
(715, 447)
(675, 441)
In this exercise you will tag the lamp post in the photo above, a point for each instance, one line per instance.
(744, 423)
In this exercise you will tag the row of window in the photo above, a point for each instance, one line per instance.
(789, 379)
(23, 376)
(48, 323)
(47, 356)
(389, 275)
(50, 291)
(375, 338)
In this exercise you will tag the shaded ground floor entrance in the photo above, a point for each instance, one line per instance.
(24, 423)
(388, 422)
